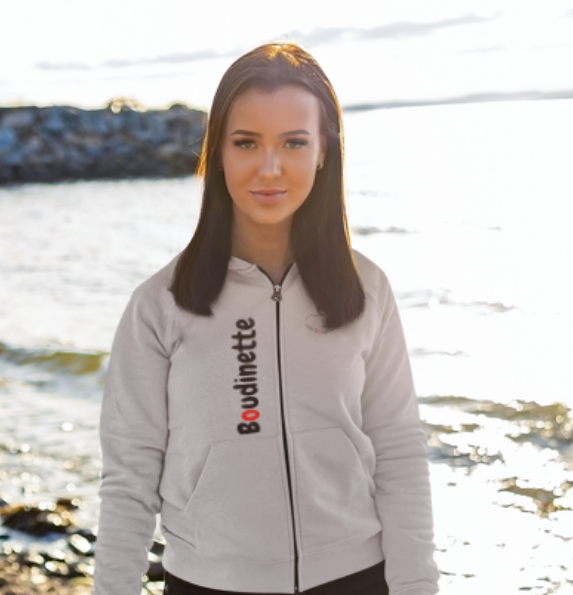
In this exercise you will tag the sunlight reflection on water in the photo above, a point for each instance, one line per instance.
(466, 210)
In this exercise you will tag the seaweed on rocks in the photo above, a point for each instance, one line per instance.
(548, 425)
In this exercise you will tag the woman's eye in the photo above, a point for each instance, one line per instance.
(245, 143)
(295, 143)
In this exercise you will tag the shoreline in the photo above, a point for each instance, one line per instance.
(124, 140)
(61, 559)
(17, 578)
(492, 97)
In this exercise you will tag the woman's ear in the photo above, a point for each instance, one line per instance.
(322, 153)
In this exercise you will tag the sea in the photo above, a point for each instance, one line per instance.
(468, 208)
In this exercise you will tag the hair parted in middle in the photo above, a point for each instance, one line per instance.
(319, 235)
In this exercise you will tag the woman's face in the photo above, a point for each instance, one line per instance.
(271, 149)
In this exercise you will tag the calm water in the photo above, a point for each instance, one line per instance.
(466, 208)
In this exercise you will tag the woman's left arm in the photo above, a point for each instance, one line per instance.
(391, 419)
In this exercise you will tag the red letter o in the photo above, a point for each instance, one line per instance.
(250, 415)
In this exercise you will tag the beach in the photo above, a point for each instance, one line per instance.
(465, 207)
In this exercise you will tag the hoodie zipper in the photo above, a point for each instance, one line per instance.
(277, 297)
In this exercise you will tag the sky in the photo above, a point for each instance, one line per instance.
(80, 53)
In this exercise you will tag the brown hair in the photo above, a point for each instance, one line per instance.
(319, 234)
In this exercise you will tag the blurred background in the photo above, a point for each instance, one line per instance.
(459, 143)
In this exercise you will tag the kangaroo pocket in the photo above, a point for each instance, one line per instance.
(333, 495)
(238, 508)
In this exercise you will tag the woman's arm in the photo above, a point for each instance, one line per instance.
(133, 436)
(392, 421)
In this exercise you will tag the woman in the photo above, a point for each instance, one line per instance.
(259, 393)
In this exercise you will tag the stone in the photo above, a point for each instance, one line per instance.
(53, 119)
(18, 118)
(123, 140)
(8, 139)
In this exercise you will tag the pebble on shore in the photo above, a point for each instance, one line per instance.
(51, 144)
(51, 567)
(18, 579)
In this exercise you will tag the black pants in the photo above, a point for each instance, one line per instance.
(370, 581)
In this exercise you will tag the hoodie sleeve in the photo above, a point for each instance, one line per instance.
(392, 421)
(133, 436)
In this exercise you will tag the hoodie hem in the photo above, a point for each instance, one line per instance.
(181, 560)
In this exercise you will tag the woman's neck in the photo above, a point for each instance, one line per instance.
(267, 247)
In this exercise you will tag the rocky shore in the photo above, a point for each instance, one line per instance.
(60, 560)
(122, 140)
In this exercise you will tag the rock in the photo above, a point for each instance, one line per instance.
(40, 520)
(169, 151)
(32, 151)
(50, 567)
(156, 128)
(54, 120)
(92, 123)
(19, 576)
(79, 544)
(13, 158)
(8, 140)
(157, 548)
(120, 141)
(18, 118)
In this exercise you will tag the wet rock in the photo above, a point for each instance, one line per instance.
(47, 517)
(21, 574)
(79, 544)
(448, 429)
(61, 572)
(64, 566)
(543, 498)
(155, 572)
(440, 451)
(121, 141)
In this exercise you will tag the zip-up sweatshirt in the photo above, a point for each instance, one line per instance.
(279, 455)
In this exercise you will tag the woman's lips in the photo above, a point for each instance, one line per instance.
(268, 197)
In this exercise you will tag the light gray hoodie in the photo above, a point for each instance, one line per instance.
(279, 455)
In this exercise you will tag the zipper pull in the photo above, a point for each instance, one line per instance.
(277, 297)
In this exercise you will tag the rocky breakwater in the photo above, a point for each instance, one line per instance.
(49, 144)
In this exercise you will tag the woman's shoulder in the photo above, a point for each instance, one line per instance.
(376, 285)
(153, 293)
(152, 306)
(374, 278)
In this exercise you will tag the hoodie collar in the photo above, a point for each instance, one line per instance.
(238, 264)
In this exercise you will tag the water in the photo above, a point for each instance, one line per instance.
(466, 209)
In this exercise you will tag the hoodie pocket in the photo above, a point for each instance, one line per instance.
(335, 503)
(238, 507)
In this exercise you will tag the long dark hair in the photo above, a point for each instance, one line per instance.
(319, 234)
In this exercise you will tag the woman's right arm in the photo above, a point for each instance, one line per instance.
(133, 437)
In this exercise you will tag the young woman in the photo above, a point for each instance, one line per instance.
(259, 393)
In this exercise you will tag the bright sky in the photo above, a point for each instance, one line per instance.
(80, 52)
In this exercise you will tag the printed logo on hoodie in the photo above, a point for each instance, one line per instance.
(315, 323)
(246, 383)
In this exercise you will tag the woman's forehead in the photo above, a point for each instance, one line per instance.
(288, 105)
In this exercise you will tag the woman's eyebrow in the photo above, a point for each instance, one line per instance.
(288, 133)
(291, 132)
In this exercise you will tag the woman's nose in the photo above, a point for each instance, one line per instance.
(270, 166)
